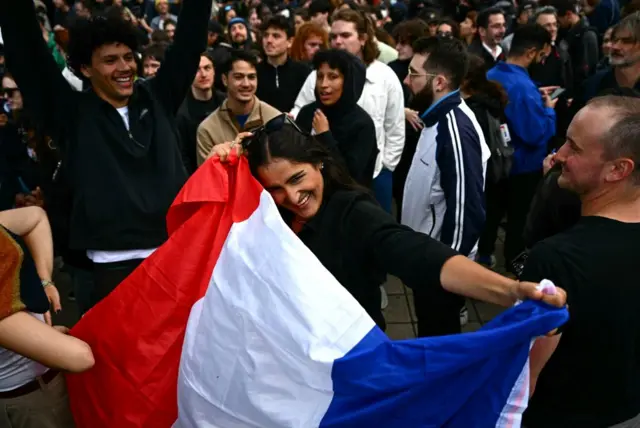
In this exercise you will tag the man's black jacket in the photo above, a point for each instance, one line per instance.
(122, 181)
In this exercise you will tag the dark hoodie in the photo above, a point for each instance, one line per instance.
(279, 86)
(190, 114)
(352, 134)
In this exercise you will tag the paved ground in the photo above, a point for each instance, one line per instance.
(401, 317)
(399, 314)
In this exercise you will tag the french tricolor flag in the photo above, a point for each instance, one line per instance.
(233, 323)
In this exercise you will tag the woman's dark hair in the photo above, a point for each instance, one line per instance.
(333, 58)
(476, 82)
(455, 27)
(409, 31)
(288, 143)
(87, 35)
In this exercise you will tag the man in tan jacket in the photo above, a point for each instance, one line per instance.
(242, 110)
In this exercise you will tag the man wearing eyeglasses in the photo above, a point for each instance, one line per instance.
(444, 190)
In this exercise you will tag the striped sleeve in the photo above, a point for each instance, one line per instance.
(459, 159)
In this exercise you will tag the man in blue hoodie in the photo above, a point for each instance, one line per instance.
(531, 121)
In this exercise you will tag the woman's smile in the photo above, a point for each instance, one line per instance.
(295, 186)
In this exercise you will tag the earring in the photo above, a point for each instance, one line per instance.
(321, 165)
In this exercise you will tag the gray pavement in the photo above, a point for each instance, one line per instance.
(401, 317)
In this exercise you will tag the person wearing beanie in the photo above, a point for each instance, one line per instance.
(239, 34)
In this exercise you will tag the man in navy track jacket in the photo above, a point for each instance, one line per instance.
(444, 190)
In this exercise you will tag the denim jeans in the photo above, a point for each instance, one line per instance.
(383, 189)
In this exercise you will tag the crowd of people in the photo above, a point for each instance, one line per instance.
(398, 137)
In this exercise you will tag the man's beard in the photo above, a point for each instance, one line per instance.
(624, 62)
(423, 99)
(535, 63)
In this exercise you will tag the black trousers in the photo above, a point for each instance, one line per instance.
(522, 189)
(496, 206)
(107, 276)
(438, 312)
(513, 197)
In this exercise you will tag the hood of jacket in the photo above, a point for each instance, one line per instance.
(355, 76)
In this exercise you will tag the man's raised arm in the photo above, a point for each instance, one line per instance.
(181, 61)
(46, 93)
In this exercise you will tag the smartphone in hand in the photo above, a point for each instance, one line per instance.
(555, 94)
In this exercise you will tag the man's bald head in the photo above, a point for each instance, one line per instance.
(622, 139)
(602, 150)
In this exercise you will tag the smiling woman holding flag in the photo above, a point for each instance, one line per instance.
(355, 239)
(246, 317)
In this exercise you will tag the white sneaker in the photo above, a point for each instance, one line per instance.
(464, 316)
(384, 300)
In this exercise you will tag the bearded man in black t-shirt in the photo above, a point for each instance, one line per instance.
(593, 378)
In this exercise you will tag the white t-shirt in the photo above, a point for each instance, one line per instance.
(497, 52)
(119, 256)
(124, 113)
(16, 370)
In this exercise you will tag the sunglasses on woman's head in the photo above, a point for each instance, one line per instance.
(273, 125)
